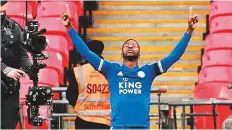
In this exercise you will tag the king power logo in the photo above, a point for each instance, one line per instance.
(127, 87)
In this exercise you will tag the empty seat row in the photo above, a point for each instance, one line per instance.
(220, 8)
(210, 91)
(216, 73)
(56, 9)
(220, 24)
(60, 45)
(18, 8)
(215, 87)
(222, 57)
(55, 27)
(220, 16)
(17, 11)
(216, 41)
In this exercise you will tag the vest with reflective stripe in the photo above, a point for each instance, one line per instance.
(93, 103)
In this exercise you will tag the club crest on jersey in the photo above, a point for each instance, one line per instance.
(141, 74)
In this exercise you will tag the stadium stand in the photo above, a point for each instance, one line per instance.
(20, 8)
(213, 41)
(216, 72)
(220, 24)
(56, 28)
(211, 74)
(55, 62)
(220, 8)
(79, 5)
(45, 10)
(59, 45)
(217, 58)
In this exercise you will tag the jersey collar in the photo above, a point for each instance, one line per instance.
(130, 69)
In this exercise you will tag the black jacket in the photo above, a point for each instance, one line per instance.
(12, 52)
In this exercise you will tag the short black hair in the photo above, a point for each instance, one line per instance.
(129, 40)
(3, 2)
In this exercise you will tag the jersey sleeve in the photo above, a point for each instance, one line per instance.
(155, 69)
(83, 49)
(105, 67)
(175, 55)
(98, 63)
(162, 66)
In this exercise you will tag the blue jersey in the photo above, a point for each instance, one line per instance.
(129, 88)
(129, 92)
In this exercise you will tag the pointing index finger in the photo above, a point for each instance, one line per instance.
(190, 10)
(67, 8)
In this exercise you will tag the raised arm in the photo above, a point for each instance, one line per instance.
(79, 44)
(180, 48)
(175, 55)
(82, 48)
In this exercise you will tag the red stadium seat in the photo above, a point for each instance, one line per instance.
(206, 122)
(217, 90)
(220, 24)
(48, 77)
(45, 10)
(54, 26)
(220, 8)
(213, 90)
(79, 4)
(17, 11)
(217, 58)
(55, 62)
(218, 41)
(80, 7)
(58, 44)
(215, 74)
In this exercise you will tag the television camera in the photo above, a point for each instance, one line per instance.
(35, 44)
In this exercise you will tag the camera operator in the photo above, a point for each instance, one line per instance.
(13, 57)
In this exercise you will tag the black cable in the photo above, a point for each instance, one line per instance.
(26, 11)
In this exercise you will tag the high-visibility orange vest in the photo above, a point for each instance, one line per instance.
(93, 103)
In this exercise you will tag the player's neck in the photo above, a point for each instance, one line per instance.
(130, 64)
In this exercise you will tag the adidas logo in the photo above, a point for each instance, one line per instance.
(120, 73)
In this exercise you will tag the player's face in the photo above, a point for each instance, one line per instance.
(131, 49)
